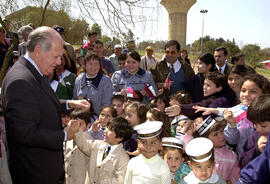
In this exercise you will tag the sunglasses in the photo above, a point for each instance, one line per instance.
(170, 52)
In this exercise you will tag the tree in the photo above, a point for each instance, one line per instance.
(105, 39)
(95, 27)
(52, 17)
(73, 35)
(252, 53)
(231, 47)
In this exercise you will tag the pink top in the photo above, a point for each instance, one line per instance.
(226, 164)
(87, 45)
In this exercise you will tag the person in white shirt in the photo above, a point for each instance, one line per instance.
(222, 65)
(148, 60)
(148, 167)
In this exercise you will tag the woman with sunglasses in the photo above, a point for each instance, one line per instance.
(171, 67)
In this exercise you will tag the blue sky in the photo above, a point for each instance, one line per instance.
(247, 21)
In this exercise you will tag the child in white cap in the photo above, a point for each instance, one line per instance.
(226, 160)
(202, 162)
(172, 153)
(148, 167)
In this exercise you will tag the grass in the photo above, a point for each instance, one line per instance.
(264, 72)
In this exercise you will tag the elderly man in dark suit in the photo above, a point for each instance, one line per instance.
(32, 112)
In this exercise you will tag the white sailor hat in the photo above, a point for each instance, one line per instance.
(118, 46)
(172, 142)
(207, 123)
(199, 149)
(148, 129)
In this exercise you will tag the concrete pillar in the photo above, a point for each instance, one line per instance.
(177, 10)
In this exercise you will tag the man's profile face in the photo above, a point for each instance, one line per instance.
(220, 58)
(47, 60)
(172, 54)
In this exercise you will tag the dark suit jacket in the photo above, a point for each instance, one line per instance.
(227, 69)
(33, 124)
(160, 72)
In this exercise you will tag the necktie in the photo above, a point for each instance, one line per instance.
(46, 80)
(171, 69)
(220, 70)
(106, 153)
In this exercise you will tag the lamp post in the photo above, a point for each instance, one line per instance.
(203, 12)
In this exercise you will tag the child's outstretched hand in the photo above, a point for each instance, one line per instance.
(173, 111)
(262, 142)
(229, 118)
(205, 110)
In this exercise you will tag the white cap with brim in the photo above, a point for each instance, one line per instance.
(172, 142)
(118, 46)
(199, 149)
(207, 123)
(148, 129)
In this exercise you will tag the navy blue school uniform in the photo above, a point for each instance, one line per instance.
(194, 87)
(131, 145)
(258, 170)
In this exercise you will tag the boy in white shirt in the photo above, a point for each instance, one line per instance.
(148, 167)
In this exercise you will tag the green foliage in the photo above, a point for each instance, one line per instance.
(75, 29)
(105, 39)
(210, 44)
(158, 45)
(253, 55)
(265, 54)
(95, 27)
(232, 48)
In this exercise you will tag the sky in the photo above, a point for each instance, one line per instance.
(247, 21)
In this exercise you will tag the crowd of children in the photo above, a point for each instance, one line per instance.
(204, 134)
(147, 145)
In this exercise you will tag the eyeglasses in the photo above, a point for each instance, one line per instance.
(173, 52)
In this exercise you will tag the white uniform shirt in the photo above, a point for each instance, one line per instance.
(141, 170)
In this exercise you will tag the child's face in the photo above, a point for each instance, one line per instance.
(149, 147)
(105, 116)
(209, 88)
(234, 81)
(160, 104)
(174, 159)
(83, 125)
(173, 102)
(249, 92)
(263, 128)
(65, 119)
(122, 64)
(202, 170)
(218, 138)
(183, 126)
(118, 106)
(92, 67)
(132, 117)
(203, 67)
(110, 137)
